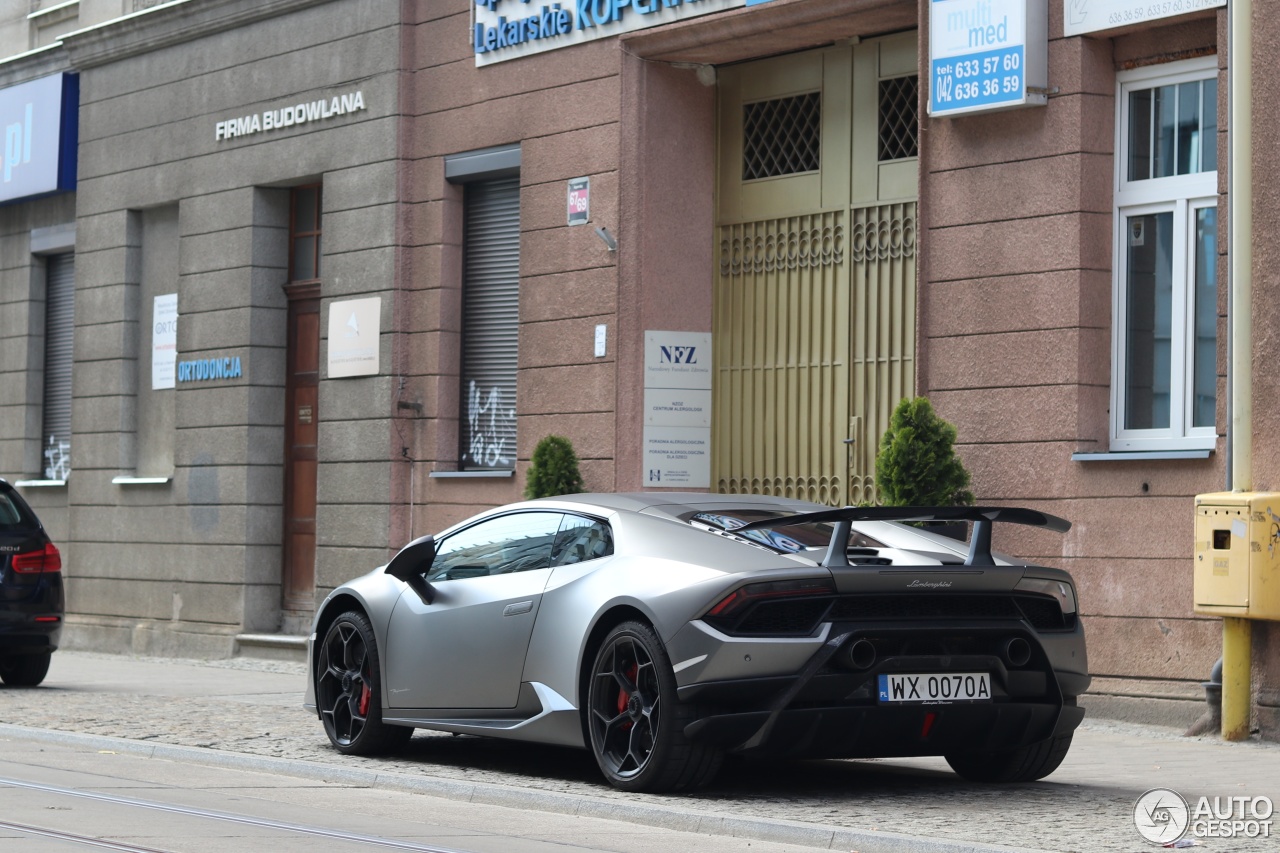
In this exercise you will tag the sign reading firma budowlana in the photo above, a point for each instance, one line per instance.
(507, 29)
(987, 55)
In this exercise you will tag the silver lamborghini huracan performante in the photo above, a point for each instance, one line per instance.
(664, 631)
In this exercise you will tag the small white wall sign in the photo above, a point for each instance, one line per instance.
(354, 336)
(164, 341)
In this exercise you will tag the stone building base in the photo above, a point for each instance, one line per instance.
(149, 637)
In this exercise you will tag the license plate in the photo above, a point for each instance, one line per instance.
(936, 689)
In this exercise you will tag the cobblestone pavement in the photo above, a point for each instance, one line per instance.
(254, 707)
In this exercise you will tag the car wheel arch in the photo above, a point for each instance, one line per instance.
(332, 608)
(335, 607)
(606, 622)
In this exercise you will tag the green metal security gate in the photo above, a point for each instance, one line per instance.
(814, 329)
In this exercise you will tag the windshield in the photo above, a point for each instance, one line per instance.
(784, 540)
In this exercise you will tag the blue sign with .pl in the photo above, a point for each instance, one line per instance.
(38, 137)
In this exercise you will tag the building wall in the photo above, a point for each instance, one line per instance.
(1015, 287)
(1266, 331)
(183, 566)
(563, 110)
(22, 322)
(1019, 215)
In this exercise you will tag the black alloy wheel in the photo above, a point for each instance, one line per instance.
(635, 721)
(25, 670)
(349, 689)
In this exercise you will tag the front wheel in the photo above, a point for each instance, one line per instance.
(349, 689)
(1026, 764)
(25, 670)
(636, 721)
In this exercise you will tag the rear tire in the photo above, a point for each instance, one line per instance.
(349, 689)
(636, 721)
(25, 670)
(1016, 765)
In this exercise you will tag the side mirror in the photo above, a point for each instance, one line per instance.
(411, 563)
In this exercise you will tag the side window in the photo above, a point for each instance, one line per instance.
(519, 542)
(581, 539)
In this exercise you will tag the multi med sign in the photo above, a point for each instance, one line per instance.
(507, 29)
(987, 55)
(38, 137)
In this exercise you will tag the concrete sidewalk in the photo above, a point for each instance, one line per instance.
(247, 714)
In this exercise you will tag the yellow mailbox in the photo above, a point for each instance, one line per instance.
(1237, 557)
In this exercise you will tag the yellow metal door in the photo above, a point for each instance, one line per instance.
(814, 329)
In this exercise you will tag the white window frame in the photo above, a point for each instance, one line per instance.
(1182, 195)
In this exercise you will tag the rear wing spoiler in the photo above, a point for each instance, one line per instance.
(981, 516)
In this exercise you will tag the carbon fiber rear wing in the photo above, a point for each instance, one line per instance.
(981, 516)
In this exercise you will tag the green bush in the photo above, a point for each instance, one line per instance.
(917, 464)
(553, 470)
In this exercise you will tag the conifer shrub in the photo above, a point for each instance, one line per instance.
(917, 464)
(553, 469)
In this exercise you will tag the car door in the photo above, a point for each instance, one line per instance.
(466, 649)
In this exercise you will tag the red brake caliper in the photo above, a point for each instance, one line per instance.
(624, 696)
(364, 699)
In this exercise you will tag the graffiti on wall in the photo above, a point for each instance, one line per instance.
(491, 428)
(57, 459)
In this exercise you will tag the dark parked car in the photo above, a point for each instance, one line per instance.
(662, 631)
(31, 600)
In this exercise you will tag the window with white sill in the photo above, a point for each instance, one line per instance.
(1165, 291)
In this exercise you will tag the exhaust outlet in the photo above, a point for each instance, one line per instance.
(860, 654)
(1017, 651)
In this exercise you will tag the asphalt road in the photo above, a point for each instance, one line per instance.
(231, 714)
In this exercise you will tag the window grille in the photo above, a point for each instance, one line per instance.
(782, 136)
(899, 118)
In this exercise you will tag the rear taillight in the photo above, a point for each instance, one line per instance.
(743, 596)
(47, 559)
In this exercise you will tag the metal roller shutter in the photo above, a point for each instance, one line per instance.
(490, 322)
(59, 327)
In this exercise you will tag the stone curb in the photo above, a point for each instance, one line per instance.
(487, 793)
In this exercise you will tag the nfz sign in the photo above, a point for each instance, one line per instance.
(38, 121)
(677, 355)
(677, 360)
(677, 406)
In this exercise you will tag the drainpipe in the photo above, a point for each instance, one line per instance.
(1236, 633)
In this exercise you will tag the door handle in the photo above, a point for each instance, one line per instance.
(517, 608)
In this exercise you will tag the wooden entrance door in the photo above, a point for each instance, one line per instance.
(302, 420)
